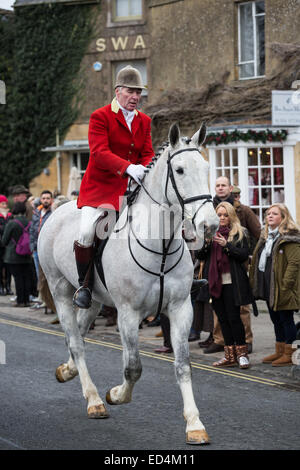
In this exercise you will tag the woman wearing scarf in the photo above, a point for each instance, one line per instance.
(228, 283)
(275, 278)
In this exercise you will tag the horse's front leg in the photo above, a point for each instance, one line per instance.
(180, 322)
(128, 323)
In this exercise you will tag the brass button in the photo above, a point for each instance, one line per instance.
(130, 152)
(132, 145)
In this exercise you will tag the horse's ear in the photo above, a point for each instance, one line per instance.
(174, 135)
(200, 135)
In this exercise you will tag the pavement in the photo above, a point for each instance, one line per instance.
(262, 328)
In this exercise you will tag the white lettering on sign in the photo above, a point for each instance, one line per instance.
(101, 44)
(121, 43)
(139, 42)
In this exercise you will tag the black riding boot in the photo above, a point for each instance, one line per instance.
(84, 261)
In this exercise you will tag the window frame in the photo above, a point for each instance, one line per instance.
(254, 61)
(242, 156)
(125, 19)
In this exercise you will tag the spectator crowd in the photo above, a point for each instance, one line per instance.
(242, 263)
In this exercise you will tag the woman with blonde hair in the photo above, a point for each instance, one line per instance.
(275, 278)
(228, 283)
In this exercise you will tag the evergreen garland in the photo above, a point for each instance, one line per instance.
(218, 138)
(50, 41)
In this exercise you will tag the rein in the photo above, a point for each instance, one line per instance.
(166, 246)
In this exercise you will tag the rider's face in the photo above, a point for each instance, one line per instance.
(128, 97)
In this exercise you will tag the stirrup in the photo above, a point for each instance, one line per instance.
(83, 297)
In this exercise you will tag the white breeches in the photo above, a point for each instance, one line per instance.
(88, 223)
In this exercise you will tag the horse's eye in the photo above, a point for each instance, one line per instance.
(180, 171)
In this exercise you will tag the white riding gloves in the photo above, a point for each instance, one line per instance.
(137, 172)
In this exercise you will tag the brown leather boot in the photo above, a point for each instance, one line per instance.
(286, 358)
(279, 350)
(229, 360)
(84, 260)
(242, 355)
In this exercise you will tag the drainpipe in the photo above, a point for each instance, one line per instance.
(58, 163)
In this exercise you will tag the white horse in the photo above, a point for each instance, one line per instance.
(140, 272)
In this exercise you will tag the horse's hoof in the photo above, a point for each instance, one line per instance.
(197, 437)
(59, 373)
(117, 401)
(108, 398)
(97, 412)
(63, 373)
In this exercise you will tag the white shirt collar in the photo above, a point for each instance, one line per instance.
(128, 115)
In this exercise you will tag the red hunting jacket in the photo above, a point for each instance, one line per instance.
(112, 149)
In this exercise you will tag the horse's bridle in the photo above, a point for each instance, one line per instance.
(170, 175)
(166, 246)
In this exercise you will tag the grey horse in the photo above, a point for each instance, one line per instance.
(145, 248)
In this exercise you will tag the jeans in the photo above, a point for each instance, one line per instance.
(284, 325)
(36, 263)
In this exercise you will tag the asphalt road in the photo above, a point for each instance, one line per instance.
(239, 411)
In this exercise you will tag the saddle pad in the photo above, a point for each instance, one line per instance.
(100, 244)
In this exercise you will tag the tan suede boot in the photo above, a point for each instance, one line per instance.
(279, 350)
(286, 358)
(229, 360)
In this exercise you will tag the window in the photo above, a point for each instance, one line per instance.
(265, 173)
(80, 160)
(125, 10)
(140, 65)
(265, 178)
(227, 164)
(251, 22)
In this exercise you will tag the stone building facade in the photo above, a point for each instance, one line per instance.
(212, 60)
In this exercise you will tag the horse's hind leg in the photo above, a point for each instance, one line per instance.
(69, 370)
(180, 322)
(128, 323)
(63, 294)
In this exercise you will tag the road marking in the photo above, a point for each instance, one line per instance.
(162, 357)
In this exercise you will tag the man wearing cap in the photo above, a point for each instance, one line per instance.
(120, 146)
(236, 192)
(21, 194)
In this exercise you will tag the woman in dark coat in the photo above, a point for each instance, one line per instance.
(19, 265)
(5, 276)
(228, 283)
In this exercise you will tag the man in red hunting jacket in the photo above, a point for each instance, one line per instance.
(120, 146)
